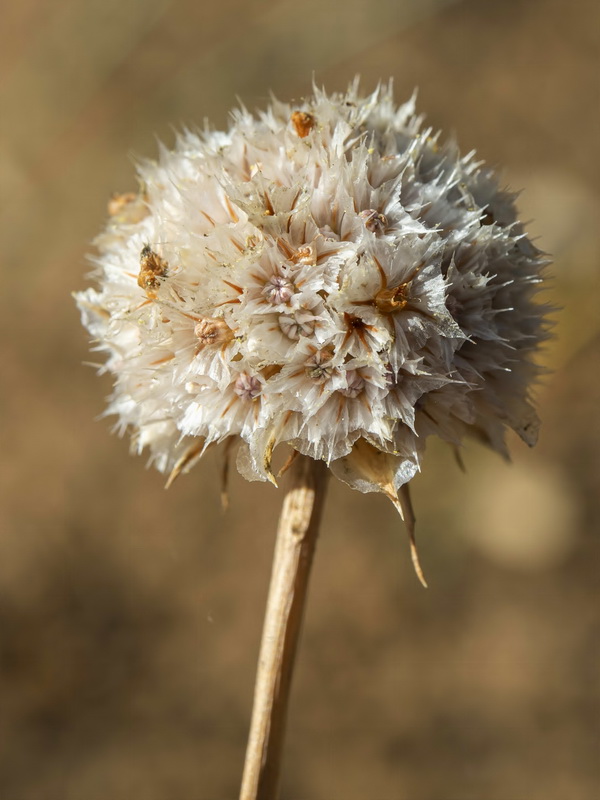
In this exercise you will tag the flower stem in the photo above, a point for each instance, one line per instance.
(296, 539)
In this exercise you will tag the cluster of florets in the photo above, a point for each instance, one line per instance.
(325, 275)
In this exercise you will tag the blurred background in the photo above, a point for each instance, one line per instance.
(130, 617)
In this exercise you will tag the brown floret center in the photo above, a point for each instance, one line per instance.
(390, 300)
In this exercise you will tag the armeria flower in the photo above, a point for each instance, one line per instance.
(327, 276)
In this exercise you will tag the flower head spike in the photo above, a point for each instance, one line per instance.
(326, 276)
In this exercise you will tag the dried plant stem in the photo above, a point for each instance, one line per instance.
(296, 539)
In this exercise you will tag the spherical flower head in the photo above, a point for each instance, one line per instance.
(326, 275)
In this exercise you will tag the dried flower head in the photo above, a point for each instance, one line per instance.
(327, 276)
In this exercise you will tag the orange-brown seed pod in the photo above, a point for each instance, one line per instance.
(152, 268)
(303, 122)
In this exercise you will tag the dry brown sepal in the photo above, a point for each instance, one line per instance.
(379, 469)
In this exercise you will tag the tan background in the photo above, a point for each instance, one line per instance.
(130, 617)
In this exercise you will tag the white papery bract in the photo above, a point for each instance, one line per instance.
(326, 275)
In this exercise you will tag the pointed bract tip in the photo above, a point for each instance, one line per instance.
(175, 472)
(224, 500)
(416, 563)
(187, 460)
